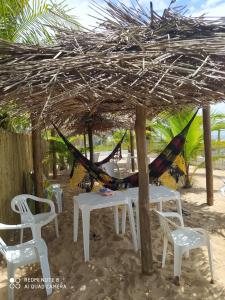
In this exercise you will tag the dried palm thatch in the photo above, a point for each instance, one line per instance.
(97, 123)
(134, 58)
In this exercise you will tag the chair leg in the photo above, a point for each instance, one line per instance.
(46, 273)
(75, 221)
(210, 261)
(10, 271)
(179, 210)
(132, 225)
(56, 227)
(124, 216)
(116, 219)
(21, 236)
(59, 202)
(86, 232)
(165, 243)
(177, 261)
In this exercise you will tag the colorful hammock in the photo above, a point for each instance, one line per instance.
(159, 166)
(116, 150)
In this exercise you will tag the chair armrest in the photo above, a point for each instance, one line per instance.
(173, 215)
(49, 202)
(16, 226)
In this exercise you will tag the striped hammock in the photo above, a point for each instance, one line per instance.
(157, 168)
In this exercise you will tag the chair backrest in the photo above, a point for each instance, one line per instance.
(109, 168)
(164, 225)
(222, 190)
(128, 160)
(96, 156)
(19, 205)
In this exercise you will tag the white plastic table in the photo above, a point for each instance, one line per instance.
(157, 194)
(87, 202)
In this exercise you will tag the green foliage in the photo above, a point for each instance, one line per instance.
(61, 150)
(31, 21)
(117, 136)
(13, 122)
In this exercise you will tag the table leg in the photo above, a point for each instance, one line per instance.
(132, 224)
(116, 219)
(124, 216)
(75, 221)
(86, 232)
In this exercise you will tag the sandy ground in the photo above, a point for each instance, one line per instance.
(114, 271)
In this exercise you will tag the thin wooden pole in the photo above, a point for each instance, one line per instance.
(151, 13)
(208, 154)
(132, 150)
(54, 169)
(90, 141)
(218, 140)
(145, 226)
(85, 145)
(91, 151)
(37, 160)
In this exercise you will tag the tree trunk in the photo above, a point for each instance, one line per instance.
(54, 169)
(187, 181)
(145, 231)
(208, 154)
(132, 150)
(37, 160)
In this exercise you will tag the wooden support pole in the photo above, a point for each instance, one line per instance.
(37, 160)
(208, 154)
(132, 150)
(52, 145)
(90, 142)
(145, 228)
(85, 145)
(91, 151)
(151, 14)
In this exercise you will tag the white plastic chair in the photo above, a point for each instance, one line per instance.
(96, 156)
(128, 162)
(222, 190)
(16, 256)
(111, 168)
(58, 194)
(19, 205)
(183, 239)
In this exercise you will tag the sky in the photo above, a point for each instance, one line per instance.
(82, 11)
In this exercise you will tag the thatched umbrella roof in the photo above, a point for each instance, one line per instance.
(138, 57)
(97, 123)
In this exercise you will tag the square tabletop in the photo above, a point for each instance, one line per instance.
(95, 200)
(156, 193)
